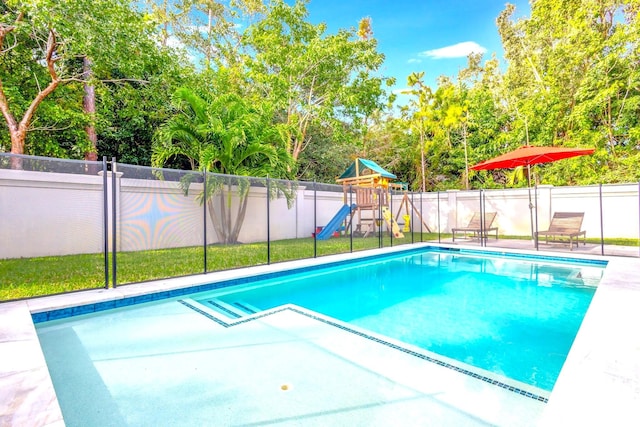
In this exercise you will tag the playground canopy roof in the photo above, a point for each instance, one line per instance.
(363, 167)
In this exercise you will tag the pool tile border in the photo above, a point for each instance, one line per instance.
(578, 260)
(62, 313)
(419, 355)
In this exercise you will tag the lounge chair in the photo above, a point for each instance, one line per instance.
(565, 228)
(474, 226)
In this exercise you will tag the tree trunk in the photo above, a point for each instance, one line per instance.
(18, 130)
(217, 227)
(226, 229)
(18, 136)
(242, 210)
(223, 217)
(466, 157)
(89, 104)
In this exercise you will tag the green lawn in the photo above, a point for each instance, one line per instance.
(29, 277)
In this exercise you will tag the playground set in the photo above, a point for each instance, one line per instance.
(371, 208)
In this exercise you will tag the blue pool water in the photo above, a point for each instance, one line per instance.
(152, 363)
(514, 317)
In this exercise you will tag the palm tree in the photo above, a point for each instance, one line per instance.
(227, 135)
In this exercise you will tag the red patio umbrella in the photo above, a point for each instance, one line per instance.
(528, 155)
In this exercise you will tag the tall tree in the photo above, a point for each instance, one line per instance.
(311, 77)
(168, 15)
(209, 30)
(396, 147)
(43, 43)
(572, 79)
(226, 134)
(482, 121)
(89, 104)
(128, 113)
(418, 113)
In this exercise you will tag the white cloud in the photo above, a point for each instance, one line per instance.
(458, 50)
(414, 61)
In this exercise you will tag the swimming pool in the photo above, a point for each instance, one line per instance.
(103, 352)
(512, 316)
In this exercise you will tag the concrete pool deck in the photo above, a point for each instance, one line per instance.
(359, 379)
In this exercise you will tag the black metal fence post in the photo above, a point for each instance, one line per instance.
(601, 224)
(379, 221)
(204, 219)
(114, 223)
(391, 216)
(411, 224)
(351, 218)
(482, 224)
(268, 221)
(439, 232)
(105, 217)
(421, 215)
(315, 221)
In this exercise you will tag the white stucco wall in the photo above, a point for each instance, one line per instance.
(45, 213)
(157, 215)
(619, 208)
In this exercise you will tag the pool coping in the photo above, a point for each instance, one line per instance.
(596, 383)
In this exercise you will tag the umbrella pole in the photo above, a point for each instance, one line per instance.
(535, 188)
(533, 237)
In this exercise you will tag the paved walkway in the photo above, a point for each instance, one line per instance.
(529, 245)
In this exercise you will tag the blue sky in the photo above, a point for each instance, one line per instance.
(433, 36)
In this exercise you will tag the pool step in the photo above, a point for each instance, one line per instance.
(245, 306)
(234, 310)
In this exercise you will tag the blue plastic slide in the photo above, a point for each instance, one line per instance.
(335, 222)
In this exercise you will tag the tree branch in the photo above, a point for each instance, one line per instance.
(55, 81)
(13, 45)
(51, 50)
(4, 103)
(48, 128)
(624, 99)
(125, 80)
(4, 107)
(81, 80)
(6, 29)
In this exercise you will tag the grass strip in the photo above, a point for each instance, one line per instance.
(38, 276)
(32, 277)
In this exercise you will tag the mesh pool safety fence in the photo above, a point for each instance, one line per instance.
(114, 224)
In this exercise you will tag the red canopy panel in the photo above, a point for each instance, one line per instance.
(530, 155)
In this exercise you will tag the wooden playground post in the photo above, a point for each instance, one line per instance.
(405, 203)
